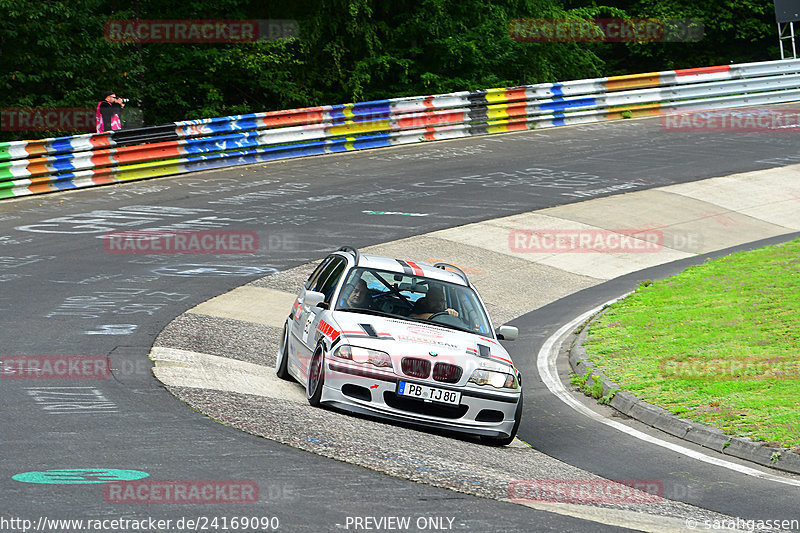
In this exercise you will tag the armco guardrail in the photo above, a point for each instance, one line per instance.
(31, 167)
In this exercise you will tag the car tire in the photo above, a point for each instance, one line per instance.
(282, 363)
(505, 441)
(316, 377)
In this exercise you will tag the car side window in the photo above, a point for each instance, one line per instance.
(328, 285)
(313, 279)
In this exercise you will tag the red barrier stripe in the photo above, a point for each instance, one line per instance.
(305, 116)
(100, 141)
(137, 154)
(517, 110)
(517, 125)
(103, 176)
(430, 119)
(102, 159)
(702, 70)
(516, 94)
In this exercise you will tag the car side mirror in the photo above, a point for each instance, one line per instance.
(313, 298)
(507, 333)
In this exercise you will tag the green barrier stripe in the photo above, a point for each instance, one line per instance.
(4, 155)
(5, 174)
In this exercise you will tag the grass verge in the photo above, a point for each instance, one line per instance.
(718, 344)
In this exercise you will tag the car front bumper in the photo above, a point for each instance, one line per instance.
(352, 388)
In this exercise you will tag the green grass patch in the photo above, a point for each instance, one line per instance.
(718, 344)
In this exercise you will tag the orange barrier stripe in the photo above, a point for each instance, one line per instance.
(633, 81)
(645, 110)
(40, 185)
(37, 167)
(36, 148)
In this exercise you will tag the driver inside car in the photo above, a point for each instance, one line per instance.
(358, 297)
(432, 303)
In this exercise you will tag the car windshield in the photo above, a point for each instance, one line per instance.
(405, 296)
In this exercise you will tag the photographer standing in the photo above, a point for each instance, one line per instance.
(108, 111)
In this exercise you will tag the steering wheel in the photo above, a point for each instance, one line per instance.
(399, 297)
(440, 313)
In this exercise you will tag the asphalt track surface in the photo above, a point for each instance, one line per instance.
(64, 294)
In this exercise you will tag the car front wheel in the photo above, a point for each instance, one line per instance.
(316, 377)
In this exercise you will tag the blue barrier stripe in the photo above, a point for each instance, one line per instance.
(224, 142)
(352, 111)
(307, 148)
(317, 147)
(62, 184)
(557, 89)
(63, 162)
(61, 144)
(561, 105)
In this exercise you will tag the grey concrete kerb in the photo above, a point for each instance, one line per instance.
(626, 403)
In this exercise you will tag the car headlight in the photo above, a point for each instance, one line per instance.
(499, 380)
(363, 356)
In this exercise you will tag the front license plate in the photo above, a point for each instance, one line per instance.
(424, 392)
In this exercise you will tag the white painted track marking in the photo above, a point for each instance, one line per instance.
(546, 364)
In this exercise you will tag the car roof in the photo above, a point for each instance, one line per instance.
(409, 267)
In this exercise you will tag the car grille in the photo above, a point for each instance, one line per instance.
(418, 368)
(447, 373)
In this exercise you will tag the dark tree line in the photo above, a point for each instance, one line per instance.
(54, 53)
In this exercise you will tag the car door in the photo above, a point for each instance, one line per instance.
(304, 336)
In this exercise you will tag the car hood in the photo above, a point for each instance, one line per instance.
(416, 339)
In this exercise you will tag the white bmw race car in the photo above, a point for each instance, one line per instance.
(404, 341)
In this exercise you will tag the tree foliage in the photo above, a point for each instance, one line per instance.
(54, 52)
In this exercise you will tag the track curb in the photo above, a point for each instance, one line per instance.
(629, 405)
